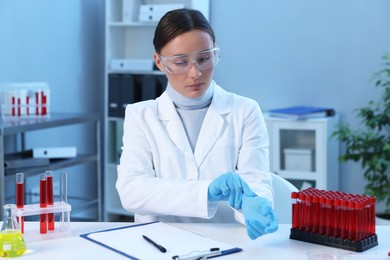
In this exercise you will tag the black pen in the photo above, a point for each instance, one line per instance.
(159, 247)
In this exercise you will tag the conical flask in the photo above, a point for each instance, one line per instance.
(11, 238)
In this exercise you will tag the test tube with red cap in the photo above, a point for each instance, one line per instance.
(43, 202)
(295, 210)
(20, 197)
(50, 199)
(341, 219)
(308, 210)
(302, 211)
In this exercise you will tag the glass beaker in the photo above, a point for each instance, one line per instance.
(11, 238)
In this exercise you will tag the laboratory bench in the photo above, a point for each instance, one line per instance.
(277, 245)
(19, 127)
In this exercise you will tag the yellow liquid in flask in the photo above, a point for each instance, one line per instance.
(11, 243)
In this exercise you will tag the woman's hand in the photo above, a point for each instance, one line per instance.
(229, 187)
(260, 219)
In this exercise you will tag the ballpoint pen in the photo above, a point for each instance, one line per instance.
(199, 255)
(159, 247)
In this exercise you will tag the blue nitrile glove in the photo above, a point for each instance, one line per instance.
(229, 186)
(260, 219)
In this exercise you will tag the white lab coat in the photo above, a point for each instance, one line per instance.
(160, 178)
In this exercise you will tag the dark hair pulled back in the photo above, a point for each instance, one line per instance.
(177, 22)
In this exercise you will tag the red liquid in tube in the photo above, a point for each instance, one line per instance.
(43, 203)
(20, 197)
(50, 200)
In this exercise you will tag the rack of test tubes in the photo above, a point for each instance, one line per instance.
(24, 100)
(334, 218)
(46, 209)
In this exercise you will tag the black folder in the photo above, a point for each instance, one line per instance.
(114, 85)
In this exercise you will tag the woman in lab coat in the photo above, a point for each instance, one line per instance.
(190, 154)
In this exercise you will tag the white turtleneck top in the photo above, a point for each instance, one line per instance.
(191, 111)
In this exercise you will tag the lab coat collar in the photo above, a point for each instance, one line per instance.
(221, 103)
(212, 126)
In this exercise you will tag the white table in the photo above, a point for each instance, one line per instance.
(273, 246)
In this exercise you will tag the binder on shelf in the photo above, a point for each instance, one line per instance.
(132, 64)
(149, 87)
(54, 152)
(23, 160)
(178, 243)
(128, 93)
(129, 11)
(153, 86)
(302, 112)
(124, 89)
(114, 95)
(154, 12)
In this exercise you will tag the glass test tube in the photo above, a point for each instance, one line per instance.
(64, 196)
(20, 197)
(50, 199)
(308, 210)
(315, 206)
(336, 217)
(295, 210)
(351, 219)
(43, 202)
(322, 210)
(359, 220)
(328, 215)
(302, 211)
(372, 214)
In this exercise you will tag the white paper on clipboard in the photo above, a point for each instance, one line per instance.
(128, 241)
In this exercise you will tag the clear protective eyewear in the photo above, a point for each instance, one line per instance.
(181, 64)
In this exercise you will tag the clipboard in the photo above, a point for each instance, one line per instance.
(128, 241)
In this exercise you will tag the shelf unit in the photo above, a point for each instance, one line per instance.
(124, 41)
(304, 152)
(20, 127)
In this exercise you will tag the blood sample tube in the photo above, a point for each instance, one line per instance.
(295, 210)
(359, 225)
(19, 107)
(336, 217)
(372, 216)
(50, 199)
(366, 217)
(37, 103)
(20, 197)
(43, 202)
(315, 213)
(302, 211)
(351, 220)
(43, 98)
(343, 218)
(321, 224)
(13, 105)
(328, 215)
(308, 216)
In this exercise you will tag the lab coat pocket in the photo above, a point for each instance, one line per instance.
(224, 155)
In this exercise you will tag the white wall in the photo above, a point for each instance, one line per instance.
(279, 52)
(60, 42)
(303, 52)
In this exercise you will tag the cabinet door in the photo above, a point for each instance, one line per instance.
(297, 151)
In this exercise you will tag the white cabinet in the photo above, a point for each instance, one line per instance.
(304, 152)
(129, 66)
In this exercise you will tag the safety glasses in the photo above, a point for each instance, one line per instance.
(181, 64)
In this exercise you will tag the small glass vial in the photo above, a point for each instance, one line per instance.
(11, 238)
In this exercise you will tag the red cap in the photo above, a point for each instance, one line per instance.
(294, 195)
